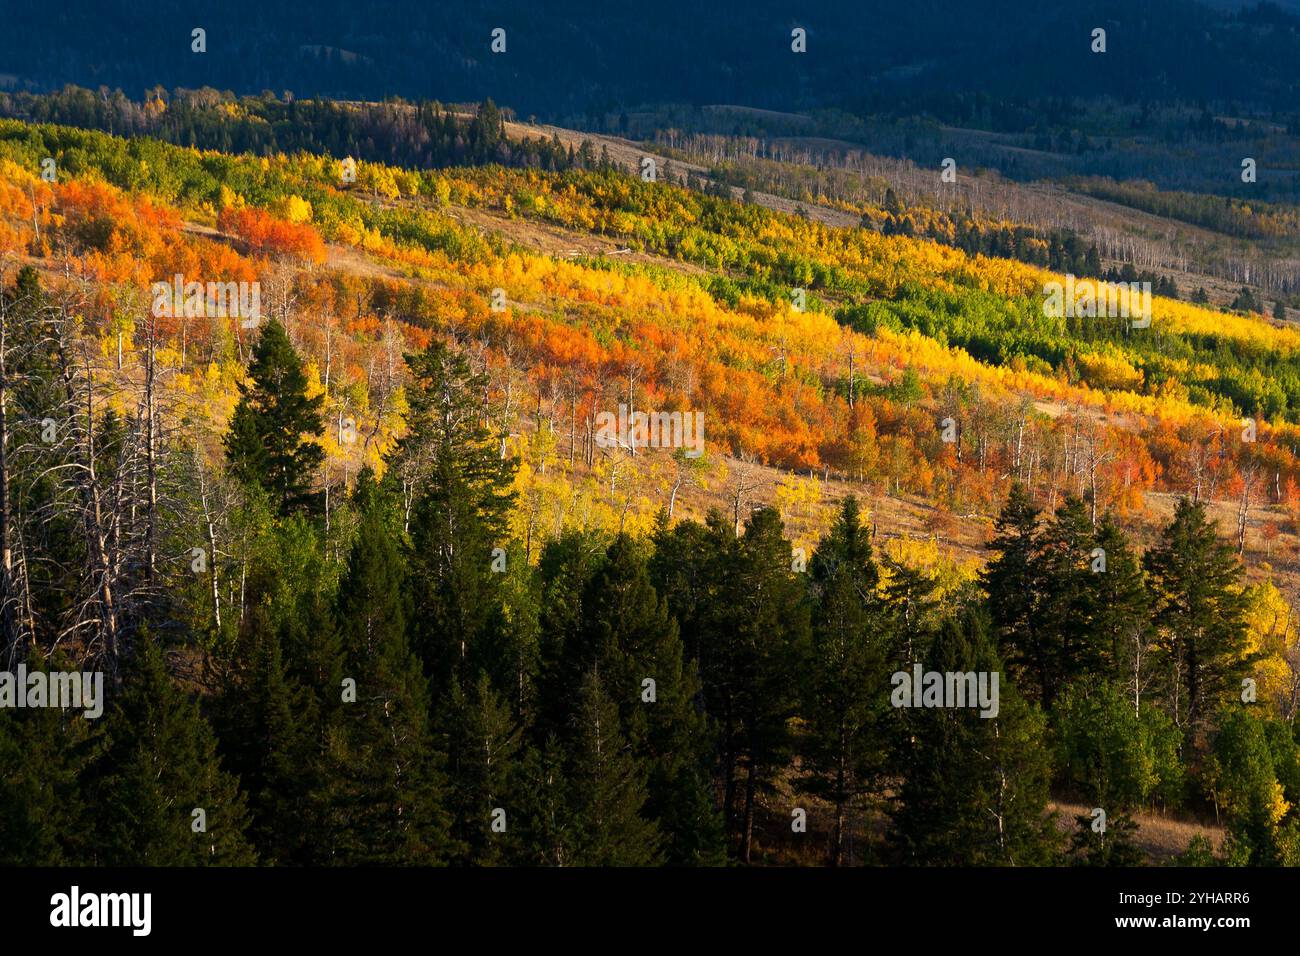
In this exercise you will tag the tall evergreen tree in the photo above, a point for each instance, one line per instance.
(269, 730)
(161, 765)
(566, 567)
(459, 484)
(46, 818)
(629, 638)
(973, 789)
(520, 636)
(911, 609)
(1009, 580)
(1064, 642)
(686, 570)
(1121, 609)
(543, 830)
(483, 747)
(271, 442)
(845, 705)
(388, 804)
(1200, 616)
(758, 637)
(608, 788)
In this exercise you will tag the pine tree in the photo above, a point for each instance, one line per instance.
(45, 817)
(687, 569)
(160, 766)
(247, 458)
(387, 804)
(459, 484)
(911, 612)
(483, 748)
(1121, 608)
(1111, 845)
(564, 570)
(1199, 613)
(270, 444)
(520, 636)
(312, 649)
(845, 709)
(544, 831)
(758, 637)
(627, 634)
(269, 730)
(974, 788)
(1064, 643)
(629, 638)
(608, 794)
(1013, 590)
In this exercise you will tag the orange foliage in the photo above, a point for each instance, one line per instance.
(265, 235)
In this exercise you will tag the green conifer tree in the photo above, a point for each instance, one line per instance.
(269, 730)
(758, 638)
(544, 831)
(911, 610)
(564, 570)
(388, 803)
(974, 788)
(45, 752)
(1013, 590)
(1113, 844)
(1064, 643)
(270, 444)
(457, 521)
(1121, 608)
(161, 766)
(1200, 617)
(483, 748)
(608, 788)
(845, 707)
(631, 640)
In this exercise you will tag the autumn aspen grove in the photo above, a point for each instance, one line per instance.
(860, 437)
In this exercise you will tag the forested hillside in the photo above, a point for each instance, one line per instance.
(369, 583)
(574, 59)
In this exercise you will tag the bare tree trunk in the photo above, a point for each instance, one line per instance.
(101, 564)
(8, 618)
(151, 457)
(204, 496)
(747, 831)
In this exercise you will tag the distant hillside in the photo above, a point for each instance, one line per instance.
(569, 58)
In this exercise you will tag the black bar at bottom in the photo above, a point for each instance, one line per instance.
(540, 907)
